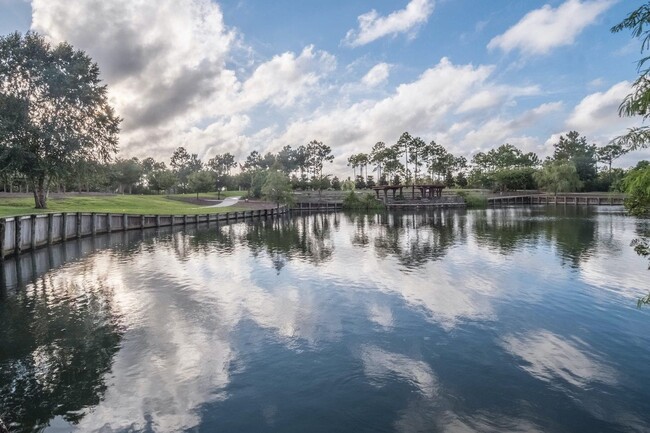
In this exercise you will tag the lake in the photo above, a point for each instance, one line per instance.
(512, 319)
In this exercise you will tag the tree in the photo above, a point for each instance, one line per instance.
(161, 179)
(54, 111)
(378, 156)
(558, 176)
(416, 148)
(575, 149)
(402, 147)
(126, 173)
(277, 188)
(609, 153)
(637, 103)
(200, 181)
(220, 166)
(637, 187)
(318, 153)
(185, 164)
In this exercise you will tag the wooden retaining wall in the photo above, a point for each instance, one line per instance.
(564, 199)
(27, 233)
(318, 206)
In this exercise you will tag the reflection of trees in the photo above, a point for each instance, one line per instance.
(362, 223)
(415, 238)
(574, 233)
(307, 237)
(500, 231)
(58, 341)
(571, 229)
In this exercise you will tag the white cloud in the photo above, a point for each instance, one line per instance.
(599, 111)
(166, 68)
(497, 130)
(286, 78)
(377, 75)
(493, 96)
(373, 27)
(544, 29)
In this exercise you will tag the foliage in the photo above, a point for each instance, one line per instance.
(637, 187)
(473, 200)
(161, 180)
(514, 179)
(54, 112)
(200, 181)
(184, 164)
(277, 188)
(366, 202)
(359, 183)
(574, 149)
(125, 173)
(336, 184)
(348, 185)
(558, 176)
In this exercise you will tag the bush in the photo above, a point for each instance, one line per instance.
(366, 202)
(473, 200)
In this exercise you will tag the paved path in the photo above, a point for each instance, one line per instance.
(228, 201)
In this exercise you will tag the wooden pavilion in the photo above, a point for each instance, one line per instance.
(429, 191)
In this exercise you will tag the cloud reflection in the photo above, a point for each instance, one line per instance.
(382, 366)
(549, 357)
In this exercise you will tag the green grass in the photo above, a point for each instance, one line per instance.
(131, 204)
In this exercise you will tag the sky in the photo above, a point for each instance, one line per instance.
(243, 75)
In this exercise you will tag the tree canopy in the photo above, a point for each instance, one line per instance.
(54, 111)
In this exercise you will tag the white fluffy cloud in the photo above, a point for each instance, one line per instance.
(541, 30)
(377, 75)
(598, 112)
(372, 26)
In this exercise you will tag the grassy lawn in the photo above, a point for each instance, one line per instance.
(132, 204)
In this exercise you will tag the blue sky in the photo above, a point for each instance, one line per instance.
(242, 75)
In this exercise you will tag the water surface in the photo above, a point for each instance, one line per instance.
(515, 319)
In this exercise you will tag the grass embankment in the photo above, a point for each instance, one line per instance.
(131, 204)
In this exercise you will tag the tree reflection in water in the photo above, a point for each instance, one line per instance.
(416, 238)
(58, 341)
(571, 229)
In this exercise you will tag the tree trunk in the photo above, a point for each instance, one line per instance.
(40, 186)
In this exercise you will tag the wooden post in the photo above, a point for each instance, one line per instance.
(78, 219)
(125, 222)
(157, 220)
(64, 222)
(32, 226)
(3, 223)
(50, 228)
(93, 223)
(227, 217)
(18, 227)
(141, 222)
(109, 222)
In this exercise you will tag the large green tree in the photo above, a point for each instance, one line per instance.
(54, 111)
(637, 103)
(574, 149)
(558, 176)
(277, 188)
